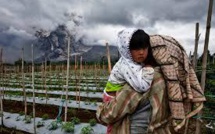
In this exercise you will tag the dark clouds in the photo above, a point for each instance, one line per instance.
(102, 19)
(26, 14)
(120, 12)
(12, 40)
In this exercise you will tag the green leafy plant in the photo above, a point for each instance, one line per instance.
(87, 130)
(68, 127)
(73, 111)
(92, 122)
(75, 120)
(21, 113)
(94, 103)
(18, 118)
(87, 102)
(40, 124)
(53, 125)
(45, 117)
(27, 119)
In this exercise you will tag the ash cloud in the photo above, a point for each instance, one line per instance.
(93, 20)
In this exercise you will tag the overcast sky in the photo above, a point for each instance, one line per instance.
(102, 19)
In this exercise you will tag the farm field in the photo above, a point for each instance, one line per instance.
(84, 93)
(56, 57)
(48, 92)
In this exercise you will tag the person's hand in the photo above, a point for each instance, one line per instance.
(148, 73)
(107, 97)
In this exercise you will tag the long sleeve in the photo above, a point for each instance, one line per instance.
(124, 103)
(141, 79)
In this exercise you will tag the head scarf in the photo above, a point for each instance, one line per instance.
(126, 70)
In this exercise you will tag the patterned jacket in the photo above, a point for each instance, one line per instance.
(185, 95)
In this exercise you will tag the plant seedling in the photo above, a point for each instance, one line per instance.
(27, 119)
(40, 124)
(45, 117)
(87, 130)
(18, 118)
(95, 103)
(92, 122)
(21, 113)
(68, 127)
(53, 125)
(73, 111)
(75, 120)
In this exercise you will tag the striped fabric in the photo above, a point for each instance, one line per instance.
(117, 112)
(185, 95)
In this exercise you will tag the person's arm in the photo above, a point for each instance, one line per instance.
(124, 103)
(116, 80)
(140, 79)
(147, 75)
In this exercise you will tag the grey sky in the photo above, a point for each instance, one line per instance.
(102, 19)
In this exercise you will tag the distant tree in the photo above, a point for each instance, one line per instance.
(210, 58)
(19, 62)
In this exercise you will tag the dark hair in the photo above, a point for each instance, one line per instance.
(139, 40)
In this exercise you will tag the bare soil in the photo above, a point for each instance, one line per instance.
(51, 110)
(83, 115)
(41, 109)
